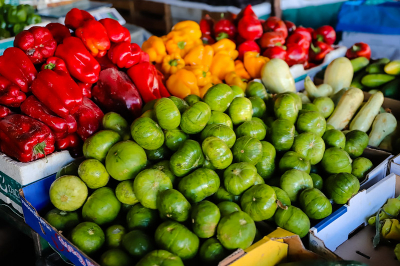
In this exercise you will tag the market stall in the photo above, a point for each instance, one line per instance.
(237, 141)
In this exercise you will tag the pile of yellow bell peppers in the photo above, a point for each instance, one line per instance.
(190, 67)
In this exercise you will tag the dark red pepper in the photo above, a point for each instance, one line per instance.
(272, 38)
(359, 49)
(224, 29)
(115, 31)
(207, 39)
(25, 138)
(305, 32)
(115, 92)
(295, 54)
(318, 51)
(10, 94)
(105, 63)
(76, 17)
(61, 127)
(89, 118)
(16, 66)
(275, 52)
(125, 54)
(247, 46)
(4, 111)
(299, 39)
(291, 27)
(55, 63)
(325, 34)
(277, 25)
(207, 25)
(59, 31)
(71, 141)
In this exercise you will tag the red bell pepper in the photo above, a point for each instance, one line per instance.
(248, 46)
(247, 11)
(125, 54)
(207, 39)
(207, 25)
(144, 76)
(86, 89)
(272, 38)
(89, 118)
(4, 111)
(58, 91)
(71, 141)
(11, 96)
(224, 29)
(359, 49)
(95, 37)
(161, 81)
(250, 28)
(80, 63)
(55, 63)
(59, 31)
(61, 127)
(295, 54)
(275, 52)
(25, 138)
(291, 27)
(115, 92)
(76, 17)
(325, 34)
(16, 66)
(105, 63)
(305, 32)
(318, 51)
(277, 25)
(115, 31)
(299, 39)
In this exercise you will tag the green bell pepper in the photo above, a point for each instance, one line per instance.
(4, 10)
(17, 28)
(29, 9)
(1, 3)
(33, 19)
(16, 14)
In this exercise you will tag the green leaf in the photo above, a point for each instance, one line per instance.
(378, 227)
(49, 66)
(39, 149)
(181, 45)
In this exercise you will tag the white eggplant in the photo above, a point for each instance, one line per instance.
(323, 90)
(384, 124)
(339, 74)
(276, 76)
(366, 115)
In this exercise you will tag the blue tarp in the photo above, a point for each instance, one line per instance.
(359, 16)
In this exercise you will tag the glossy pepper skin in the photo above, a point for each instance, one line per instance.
(207, 39)
(253, 63)
(125, 54)
(75, 18)
(59, 31)
(206, 25)
(202, 75)
(178, 43)
(95, 37)
(200, 55)
(4, 111)
(171, 64)
(227, 47)
(276, 25)
(115, 92)
(182, 84)
(86, 89)
(144, 76)
(55, 63)
(155, 48)
(16, 67)
(305, 32)
(224, 28)
(105, 63)
(71, 141)
(240, 70)
(221, 65)
(161, 81)
(89, 118)
(275, 52)
(58, 91)
(115, 31)
(271, 38)
(188, 28)
(61, 127)
(325, 34)
(80, 63)
(25, 138)
(234, 79)
(319, 50)
(359, 49)
(249, 27)
(291, 27)
(300, 39)
(247, 46)
(10, 94)
(295, 54)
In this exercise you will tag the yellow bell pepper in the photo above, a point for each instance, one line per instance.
(181, 44)
(182, 84)
(200, 55)
(202, 75)
(240, 70)
(253, 63)
(189, 28)
(215, 79)
(225, 46)
(155, 47)
(171, 64)
(221, 65)
(391, 229)
(204, 89)
(234, 79)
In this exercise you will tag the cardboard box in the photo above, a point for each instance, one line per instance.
(345, 234)
(14, 175)
(381, 160)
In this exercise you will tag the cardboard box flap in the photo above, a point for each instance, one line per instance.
(380, 160)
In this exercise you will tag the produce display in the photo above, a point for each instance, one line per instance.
(13, 19)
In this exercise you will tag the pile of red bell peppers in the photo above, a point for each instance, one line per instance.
(57, 80)
(273, 38)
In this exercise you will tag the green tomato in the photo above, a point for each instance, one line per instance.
(310, 146)
(247, 149)
(238, 177)
(219, 97)
(293, 219)
(240, 110)
(199, 185)
(314, 203)
(205, 217)
(294, 181)
(266, 166)
(259, 202)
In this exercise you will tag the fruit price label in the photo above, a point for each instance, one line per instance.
(9, 187)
